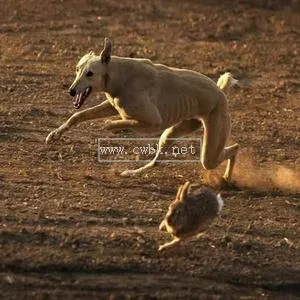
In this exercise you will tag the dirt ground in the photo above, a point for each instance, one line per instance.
(72, 228)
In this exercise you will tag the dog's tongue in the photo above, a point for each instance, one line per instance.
(76, 100)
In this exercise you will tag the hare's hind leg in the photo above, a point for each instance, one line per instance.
(214, 152)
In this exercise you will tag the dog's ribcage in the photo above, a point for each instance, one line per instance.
(187, 94)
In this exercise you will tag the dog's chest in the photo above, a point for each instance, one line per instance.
(117, 104)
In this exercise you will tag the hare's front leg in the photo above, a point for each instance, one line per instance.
(163, 225)
(170, 244)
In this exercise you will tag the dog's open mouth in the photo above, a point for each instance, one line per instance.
(79, 98)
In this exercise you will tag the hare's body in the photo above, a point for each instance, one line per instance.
(199, 208)
(191, 213)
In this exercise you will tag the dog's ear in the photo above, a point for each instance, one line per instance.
(106, 52)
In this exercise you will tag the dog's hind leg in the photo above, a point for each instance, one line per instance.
(132, 124)
(103, 110)
(166, 140)
(231, 152)
(214, 152)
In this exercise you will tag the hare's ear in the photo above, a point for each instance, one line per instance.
(184, 191)
(106, 52)
(179, 192)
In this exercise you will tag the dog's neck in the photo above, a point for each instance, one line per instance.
(117, 76)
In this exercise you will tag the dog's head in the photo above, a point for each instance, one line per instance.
(91, 74)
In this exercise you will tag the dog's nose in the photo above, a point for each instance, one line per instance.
(72, 92)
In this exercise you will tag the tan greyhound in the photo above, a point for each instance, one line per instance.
(154, 99)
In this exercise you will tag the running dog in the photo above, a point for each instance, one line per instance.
(154, 99)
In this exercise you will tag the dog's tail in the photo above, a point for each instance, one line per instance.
(226, 81)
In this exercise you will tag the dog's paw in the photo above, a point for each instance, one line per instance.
(227, 185)
(128, 173)
(108, 125)
(53, 136)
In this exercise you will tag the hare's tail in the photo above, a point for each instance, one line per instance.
(220, 203)
(226, 81)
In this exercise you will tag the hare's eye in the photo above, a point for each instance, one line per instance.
(77, 70)
(89, 74)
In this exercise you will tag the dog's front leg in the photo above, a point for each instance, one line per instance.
(162, 142)
(103, 110)
(165, 141)
(134, 125)
(122, 124)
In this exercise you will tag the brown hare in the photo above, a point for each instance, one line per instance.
(191, 213)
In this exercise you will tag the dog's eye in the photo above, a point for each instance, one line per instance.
(89, 74)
